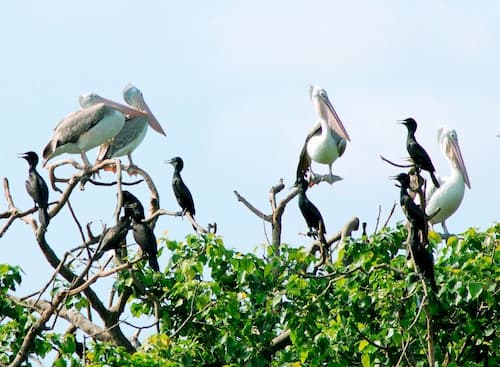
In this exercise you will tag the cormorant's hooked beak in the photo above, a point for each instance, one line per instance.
(168, 161)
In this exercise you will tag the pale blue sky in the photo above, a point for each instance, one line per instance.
(229, 82)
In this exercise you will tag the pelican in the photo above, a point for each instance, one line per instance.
(134, 130)
(449, 195)
(98, 121)
(328, 138)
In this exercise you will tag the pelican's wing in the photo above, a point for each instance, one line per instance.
(75, 124)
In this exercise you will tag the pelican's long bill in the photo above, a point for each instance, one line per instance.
(450, 141)
(328, 113)
(91, 99)
(153, 122)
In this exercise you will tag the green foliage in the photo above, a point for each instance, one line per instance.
(219, 306)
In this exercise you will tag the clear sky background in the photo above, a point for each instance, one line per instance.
(229, 82)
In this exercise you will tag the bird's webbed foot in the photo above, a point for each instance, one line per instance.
(317, 178)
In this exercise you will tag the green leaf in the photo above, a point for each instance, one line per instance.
(475, 289)
(362, 345)
(365, 360)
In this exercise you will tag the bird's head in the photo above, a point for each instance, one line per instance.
(448, 140)
(177, 162)
(403, 179)
(31, 157)
(133, 97)
(410, 123)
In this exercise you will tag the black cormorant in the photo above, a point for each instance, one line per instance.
(181, 191)
(132, 206)
(415, 215)
(418, 155)
(309, 211)
(423, 259)
(114, 237)
(37, 188)
(145, 238)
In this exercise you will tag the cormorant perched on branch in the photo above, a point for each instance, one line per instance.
(37, 188)
(145, 238)
(132, 206)
(418, 155)
(415, 215)
(181, 191)
(309, 211)
(114, 237)
(423, 259)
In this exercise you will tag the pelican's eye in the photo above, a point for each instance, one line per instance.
(322, 93)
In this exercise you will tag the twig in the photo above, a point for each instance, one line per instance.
(390, 215)
(395, 164)
(378, 219)
(254, 210)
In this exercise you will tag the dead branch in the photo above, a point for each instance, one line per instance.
(73, 317)
(390, 215)
(13, 213)
(254, 210)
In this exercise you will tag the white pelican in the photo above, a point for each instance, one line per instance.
(449, 195)
(77, 133)
(134, 130)
(328, 138)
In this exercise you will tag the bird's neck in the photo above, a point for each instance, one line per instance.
(177, 174)
(411, 134)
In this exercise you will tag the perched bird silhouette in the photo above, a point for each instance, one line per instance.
(37, 188)
(413, 212)
(327, 139)
(145, 238)
(364, 236)
(448, 197)
(113, 238)
(309, 211)
(423, 259)
(133, 208)
(181, 191)
(417, 154)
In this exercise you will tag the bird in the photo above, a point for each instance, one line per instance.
(37, 188)
(309, 211)
(181, 191)
(412, 211)
(145, 238)
(328, 138)
(446, 199)
(133, 208)
(417, 154)
(133, 131)
(98, 122)
(364, 236)
(113, 238)
(424, 260)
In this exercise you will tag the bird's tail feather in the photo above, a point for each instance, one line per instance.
(153, 263)
(434, 180)
(43, 216)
